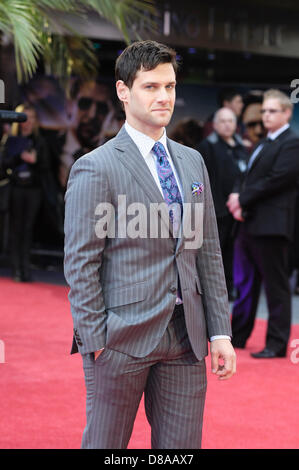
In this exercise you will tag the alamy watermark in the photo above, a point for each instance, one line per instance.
(294, 95)
(156, 220)
(294, 357)
(2, 352)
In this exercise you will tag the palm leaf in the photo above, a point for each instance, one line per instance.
(123, 13)
(30, 24)
(16, 21)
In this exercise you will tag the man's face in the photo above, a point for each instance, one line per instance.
(252, 119)
(274, 116)
(92, 103)
(225, 123)
(27, 127)
(236, 105)
(149, 103)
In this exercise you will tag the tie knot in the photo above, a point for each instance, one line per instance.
(160, 152)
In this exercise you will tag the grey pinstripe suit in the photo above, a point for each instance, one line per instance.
(123, 290)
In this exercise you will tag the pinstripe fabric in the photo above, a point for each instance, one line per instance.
(175, 387)
(123, 291)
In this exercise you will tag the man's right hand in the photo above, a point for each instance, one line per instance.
(98, 353)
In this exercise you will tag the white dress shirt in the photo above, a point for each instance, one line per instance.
(145, 145)
(274, 135)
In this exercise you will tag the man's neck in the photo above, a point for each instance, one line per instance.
(230, 141)
(153, 133)
(275, 133)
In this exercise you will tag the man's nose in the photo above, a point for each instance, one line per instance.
(163, 96)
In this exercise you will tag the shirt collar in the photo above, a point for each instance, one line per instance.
(143, 141)
(274, 135)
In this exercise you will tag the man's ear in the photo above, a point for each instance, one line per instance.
(122, 91)
(288, 112)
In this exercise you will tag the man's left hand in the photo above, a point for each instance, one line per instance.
(237, 215)
(223, 358)
(233, 202)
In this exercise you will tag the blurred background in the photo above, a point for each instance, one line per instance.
(229, 55)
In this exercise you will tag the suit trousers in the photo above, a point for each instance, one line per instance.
(262, 260)
(174, 385)
(226, 238)
(25, 204)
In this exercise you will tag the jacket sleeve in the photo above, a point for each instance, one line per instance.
(211, 272)
(87, 187)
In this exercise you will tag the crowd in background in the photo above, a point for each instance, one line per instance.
(37, 160)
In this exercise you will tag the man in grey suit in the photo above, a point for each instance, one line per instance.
(145, 299)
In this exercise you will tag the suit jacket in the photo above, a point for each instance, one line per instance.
(268, 192)
(123, 290)
(223, 163)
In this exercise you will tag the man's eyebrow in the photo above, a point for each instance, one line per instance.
(173, 82)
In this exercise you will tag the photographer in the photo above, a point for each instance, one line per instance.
(25, 154)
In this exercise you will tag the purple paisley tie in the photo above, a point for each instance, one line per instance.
(167, 179)
(170, 190)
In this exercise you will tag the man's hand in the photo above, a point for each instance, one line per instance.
(98, 353)
(234, 207)
(29, 157)
(233, 202)
(223, 358)
(237, 214)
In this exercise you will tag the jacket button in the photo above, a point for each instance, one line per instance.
(173, 289)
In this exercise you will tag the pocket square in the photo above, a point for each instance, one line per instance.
(197, 188)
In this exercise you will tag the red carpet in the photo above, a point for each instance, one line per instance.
(42, 393)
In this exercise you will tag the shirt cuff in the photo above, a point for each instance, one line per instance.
(220, 337)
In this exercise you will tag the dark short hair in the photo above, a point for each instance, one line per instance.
(145, 55)
(252, 97)
(227, 94)
(188, 132)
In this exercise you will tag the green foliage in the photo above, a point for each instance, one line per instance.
(31, 25)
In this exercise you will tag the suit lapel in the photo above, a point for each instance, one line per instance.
(185, 176)
(129, 155)
(263, 142)
(182, 170)
(268, 146)
(131, 158)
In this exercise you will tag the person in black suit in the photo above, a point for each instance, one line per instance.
(226, 159)
(265, 207)
(26, 159)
